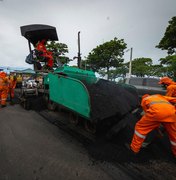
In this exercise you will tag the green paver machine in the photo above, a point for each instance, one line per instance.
(95, 100)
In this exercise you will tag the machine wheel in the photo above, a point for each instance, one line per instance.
(73, 118)
(90, 127)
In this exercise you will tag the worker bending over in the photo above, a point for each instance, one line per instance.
(4, 85)
(158, 110)
(171, 86)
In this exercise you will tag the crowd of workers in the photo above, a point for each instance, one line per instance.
(7, 86)
(158, 110)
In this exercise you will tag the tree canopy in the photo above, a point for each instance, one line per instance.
(141, 66)
(170, 65)
(59, 52)
(107, 55)
(168, 42)
(120, 71)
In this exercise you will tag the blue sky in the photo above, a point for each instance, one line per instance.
(140, 23)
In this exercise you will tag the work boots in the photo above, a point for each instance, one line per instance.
(129, 149)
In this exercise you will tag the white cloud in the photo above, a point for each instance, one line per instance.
(140, 23)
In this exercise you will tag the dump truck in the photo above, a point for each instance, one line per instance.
(97, 101)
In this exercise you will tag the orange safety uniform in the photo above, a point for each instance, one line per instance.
(3, 88)
(171, 86)
(158, 110)
(50, 60)
(48, 54)
(41, 46)
(12, 85)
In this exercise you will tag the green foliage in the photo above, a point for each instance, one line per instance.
(102, 73)
(85, 65)
(157, 70)
(168, 42)
(59, 50)
(141, 66)
(170, 65)
(107, 55)
(118, 72)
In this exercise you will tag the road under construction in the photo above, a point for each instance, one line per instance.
(75, 125)
(39, 144)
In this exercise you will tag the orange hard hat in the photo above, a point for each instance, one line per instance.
(165, 80)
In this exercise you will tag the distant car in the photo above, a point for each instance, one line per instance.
(146, 85)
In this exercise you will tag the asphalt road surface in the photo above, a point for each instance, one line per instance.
(32, 148)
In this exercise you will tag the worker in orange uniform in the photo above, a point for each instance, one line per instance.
(4, 84)
(50, 60)
(45, 53)
(158, 110)
(41, 46)
(12, 85)
(171, 86)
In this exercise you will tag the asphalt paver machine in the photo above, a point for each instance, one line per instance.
(95, 100)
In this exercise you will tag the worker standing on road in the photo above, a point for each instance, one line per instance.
(158, 110)
(12, 85)
(4, 85)
(171, 86)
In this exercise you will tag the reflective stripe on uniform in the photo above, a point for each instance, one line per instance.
(148, 97)
(159, 102)
(140, 135)
(173, 143)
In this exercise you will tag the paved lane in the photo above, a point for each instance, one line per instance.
(32, 148)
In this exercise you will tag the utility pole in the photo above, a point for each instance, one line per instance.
(79, 54)
(130, 65)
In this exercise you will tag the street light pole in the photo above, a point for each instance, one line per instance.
(79, 54)
(130, 65)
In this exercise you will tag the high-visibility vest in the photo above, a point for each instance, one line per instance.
(12, 84)
(159, 108)
(4, 83)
